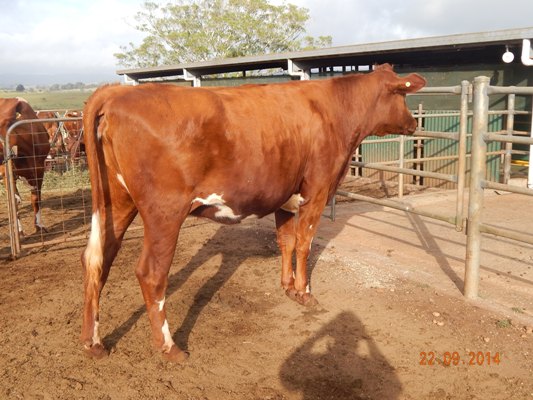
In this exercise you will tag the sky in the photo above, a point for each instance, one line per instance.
(72, 40)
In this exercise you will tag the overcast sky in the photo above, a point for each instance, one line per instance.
(78, 38)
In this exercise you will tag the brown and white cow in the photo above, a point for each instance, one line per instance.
(32, 147)
(57, 145)
(75, 145)
(227, 153)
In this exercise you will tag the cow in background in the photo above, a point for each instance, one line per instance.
(57, 145)
(75, 144)
(30, 146)
(167, 152)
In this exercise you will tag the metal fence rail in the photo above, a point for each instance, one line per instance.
(481, 139)
(463, 92)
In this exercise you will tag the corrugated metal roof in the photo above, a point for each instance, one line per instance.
(470, 48)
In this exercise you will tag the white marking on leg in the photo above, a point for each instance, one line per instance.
(307, 289)
(122, 182)
(96, 336)
(38, 221)
(293, 204)
(161, 304)
(93, 253)
(166, 335)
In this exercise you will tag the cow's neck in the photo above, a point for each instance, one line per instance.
(357, 98)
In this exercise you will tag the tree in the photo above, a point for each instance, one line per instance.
(198, 30)
(20, 88)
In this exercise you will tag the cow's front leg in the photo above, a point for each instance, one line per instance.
(36, 204)
(308, 219)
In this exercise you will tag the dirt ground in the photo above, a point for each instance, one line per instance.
(376, 334)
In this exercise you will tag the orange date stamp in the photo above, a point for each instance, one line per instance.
(449, 358)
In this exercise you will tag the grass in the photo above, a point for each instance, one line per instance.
(72, 179)
(69, 99)
(503, 323)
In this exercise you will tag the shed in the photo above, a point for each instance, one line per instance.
(504, 56)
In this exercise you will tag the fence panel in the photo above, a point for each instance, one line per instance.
(65, 201)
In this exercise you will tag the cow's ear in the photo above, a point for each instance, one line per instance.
(409, 84)
(24, 109)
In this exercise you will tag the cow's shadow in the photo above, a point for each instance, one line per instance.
(231, 260)
(232, 257)
(340, 361)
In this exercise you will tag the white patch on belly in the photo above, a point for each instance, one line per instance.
(161, 304)
(293, 204)
(96, 336)
(211, 200)
(121, 180)
(93, 252)
(217, 201)
(226, 212)
(166, 335)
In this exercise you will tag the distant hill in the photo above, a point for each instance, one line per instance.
(10, 81)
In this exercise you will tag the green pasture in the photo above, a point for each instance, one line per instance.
(50, 100)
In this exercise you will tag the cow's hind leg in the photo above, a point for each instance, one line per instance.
(160, 238)
(108, 226)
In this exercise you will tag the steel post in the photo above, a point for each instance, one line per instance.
(508, 146)
(401, 165)
(530, 169)
(477, 176)
(461, 158)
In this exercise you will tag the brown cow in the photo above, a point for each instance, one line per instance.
(32, 147)
(57, 145)
(226, 154)
(75, 144)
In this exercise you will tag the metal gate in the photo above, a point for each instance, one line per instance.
(479, 139)
(65, 198)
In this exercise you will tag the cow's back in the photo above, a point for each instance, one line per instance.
(251, 143)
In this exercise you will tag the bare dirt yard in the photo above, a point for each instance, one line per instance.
(376, 333)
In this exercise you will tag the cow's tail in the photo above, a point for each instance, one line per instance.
(93, 115)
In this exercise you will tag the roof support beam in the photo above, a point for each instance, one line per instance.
(298, 70)
(526, 53)
(130, 81)
(191, 77)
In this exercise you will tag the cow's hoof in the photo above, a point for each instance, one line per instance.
(176, 355)
(40, 230)
(96, 351)
(305, 299)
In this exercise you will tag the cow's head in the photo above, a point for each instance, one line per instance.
(391, 114)
(29, 138)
